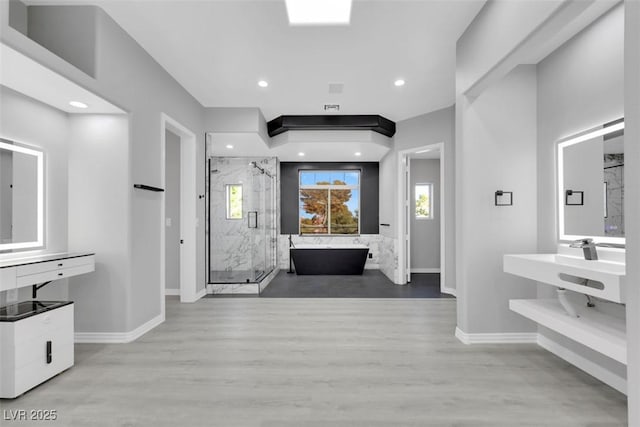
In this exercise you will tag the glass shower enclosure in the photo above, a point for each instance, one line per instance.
(242, 219)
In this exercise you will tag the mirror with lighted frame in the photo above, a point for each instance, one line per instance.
(21, 197)
(591, 184)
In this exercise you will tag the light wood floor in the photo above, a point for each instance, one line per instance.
(319, 362)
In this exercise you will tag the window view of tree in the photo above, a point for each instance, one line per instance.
(423, 201)
(329, 202)
(314, 215)
(234, 201)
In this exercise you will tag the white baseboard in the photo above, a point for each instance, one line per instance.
(426, 270)
(172, 291)
(372, 266)
(195, 298)
(591, 368)
(584, 364)
(497, 338)
(118, 337)
(450, 291)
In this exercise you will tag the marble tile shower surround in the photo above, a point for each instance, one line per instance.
(389, 257)
(614, 177)
(235, 246)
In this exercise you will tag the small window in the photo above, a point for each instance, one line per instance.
(234, 201)
(424, 201)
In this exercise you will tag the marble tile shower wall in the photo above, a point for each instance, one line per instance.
(230, 237)
(614, 177)
(372, 241)
(389, 257)
(234, 246)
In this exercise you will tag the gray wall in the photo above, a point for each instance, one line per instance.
(632, 201)
(172, 211)
(99, 209)
(129, 77)
(426, 129)
(18, 114)
(498, 29)
(425, 233)
(75, 43)
(18, 16)
(593, 59)
(496, 150)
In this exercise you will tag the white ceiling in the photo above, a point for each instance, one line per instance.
(218, 50)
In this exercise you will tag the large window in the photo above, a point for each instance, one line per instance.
(329, 202)
(424, 201)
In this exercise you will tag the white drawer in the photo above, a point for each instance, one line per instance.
(30, 375)
(43, 324)
(41, 267)
(46, 276)
(35, 349)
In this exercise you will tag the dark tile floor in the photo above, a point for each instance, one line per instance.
(372, 284)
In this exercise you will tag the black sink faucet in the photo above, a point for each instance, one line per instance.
(588, 248)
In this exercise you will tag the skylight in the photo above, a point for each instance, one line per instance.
(319, 12)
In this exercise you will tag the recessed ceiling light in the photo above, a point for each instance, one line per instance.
(358, 153)
(301, 154)
(399, 82)
(263, 83)
(319, 12)
(78, 104)
(229, 146)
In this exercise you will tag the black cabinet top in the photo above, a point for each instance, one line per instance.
(22, 310)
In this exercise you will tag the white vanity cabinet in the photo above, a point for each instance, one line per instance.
(30, 271)
(36, 337)
(37, 344)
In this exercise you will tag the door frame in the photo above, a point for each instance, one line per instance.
(188, 210)
(404, 227)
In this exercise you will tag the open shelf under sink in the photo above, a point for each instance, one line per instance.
(600, 332)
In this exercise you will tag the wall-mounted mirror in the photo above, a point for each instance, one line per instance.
(591, 184)
(21, 197)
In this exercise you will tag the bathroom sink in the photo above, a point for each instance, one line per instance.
(602, 279)
(598, 265)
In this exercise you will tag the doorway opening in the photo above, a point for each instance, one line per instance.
(186, 220)
(422, 216)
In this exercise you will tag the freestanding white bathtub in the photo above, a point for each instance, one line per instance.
(329, 259)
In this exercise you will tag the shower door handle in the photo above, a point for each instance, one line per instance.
(252, 219)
